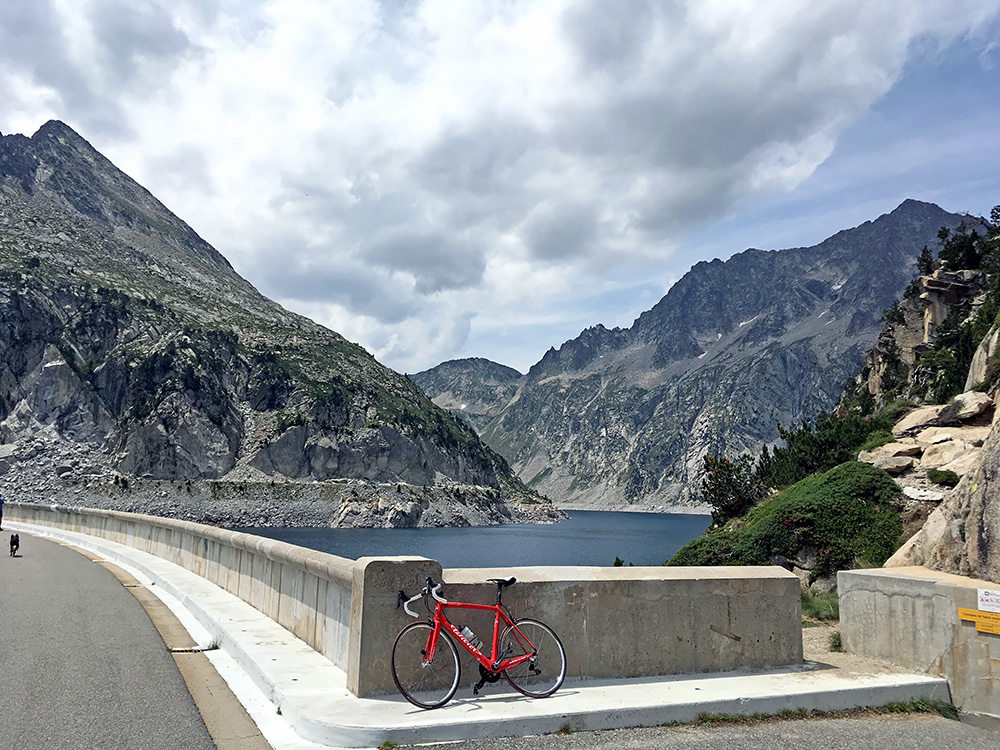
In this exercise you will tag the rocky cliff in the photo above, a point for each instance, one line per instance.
(624, 416)
(130, 349)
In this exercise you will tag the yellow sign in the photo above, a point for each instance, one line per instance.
(986, 622)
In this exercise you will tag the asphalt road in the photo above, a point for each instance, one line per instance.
(81, 664)
(896, 732)
(890, 733)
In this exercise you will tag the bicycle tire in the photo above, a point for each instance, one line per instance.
(541, 676)
(424, 684)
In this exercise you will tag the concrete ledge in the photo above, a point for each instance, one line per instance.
(614, 622)
(909, 616)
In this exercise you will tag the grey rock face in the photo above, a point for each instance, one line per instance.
(475, 389)
(625, 416)
(963, 534)
(123, 331)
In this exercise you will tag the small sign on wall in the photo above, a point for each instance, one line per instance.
(987, 616)
(989, 600)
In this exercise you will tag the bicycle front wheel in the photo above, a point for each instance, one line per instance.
(544, 672)
(427, 683)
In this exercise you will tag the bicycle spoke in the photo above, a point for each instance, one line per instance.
(542, 673)
(427, 684)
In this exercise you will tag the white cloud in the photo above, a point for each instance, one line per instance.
(411, 173)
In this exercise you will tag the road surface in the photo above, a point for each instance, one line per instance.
(81, 664)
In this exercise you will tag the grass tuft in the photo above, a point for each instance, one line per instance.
(821, 607)
(835, 643)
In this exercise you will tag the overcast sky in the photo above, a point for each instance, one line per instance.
(444, 178)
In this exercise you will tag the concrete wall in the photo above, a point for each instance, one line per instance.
(632, 622)
(614, 622)
(909, 616)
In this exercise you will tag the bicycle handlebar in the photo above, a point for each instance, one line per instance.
(429, 589)
(434, 593)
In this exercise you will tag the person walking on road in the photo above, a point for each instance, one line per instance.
(1, 511)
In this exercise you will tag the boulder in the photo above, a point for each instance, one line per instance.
(917, 420)
(939, 454)
(6, 458)
(970, 404)
(980, 360)
(923, 494)
(964, 463)
(934, 435)
(894, 464)
(969, 434)
(905, 447)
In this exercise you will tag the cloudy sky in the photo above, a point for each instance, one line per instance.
(439, 178)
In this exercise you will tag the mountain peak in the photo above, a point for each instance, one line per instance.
(134, 352)
(734, 348)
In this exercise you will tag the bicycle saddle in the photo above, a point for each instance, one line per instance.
(504, 582)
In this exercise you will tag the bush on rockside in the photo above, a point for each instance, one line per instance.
(848, 515)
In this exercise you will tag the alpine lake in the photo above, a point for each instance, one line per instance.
(587, 537)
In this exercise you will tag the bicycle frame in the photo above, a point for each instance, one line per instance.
(495, 661)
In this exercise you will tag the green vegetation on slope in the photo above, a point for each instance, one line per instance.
(733, 487)
(846, 515)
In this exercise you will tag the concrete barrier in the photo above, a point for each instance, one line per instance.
(636, 622)
(614, 622)
(909, 616)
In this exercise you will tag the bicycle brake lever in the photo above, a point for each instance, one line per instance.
(400, 598)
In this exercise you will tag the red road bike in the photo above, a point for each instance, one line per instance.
(425, 664)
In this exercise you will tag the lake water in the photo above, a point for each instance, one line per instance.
(587, 537)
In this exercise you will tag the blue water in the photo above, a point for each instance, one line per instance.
(587, 537)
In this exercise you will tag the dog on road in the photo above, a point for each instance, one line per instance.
(15, 543)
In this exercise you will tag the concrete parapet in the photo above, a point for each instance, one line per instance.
(614, 622)
(909, 616)
(634, 622)
(306, 592)
(374, 614)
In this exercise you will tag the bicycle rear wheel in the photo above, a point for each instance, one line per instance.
(541, 675)
(427, 684)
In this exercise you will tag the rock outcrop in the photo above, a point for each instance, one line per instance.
(962, 535)
(939, 441)
(130, 344)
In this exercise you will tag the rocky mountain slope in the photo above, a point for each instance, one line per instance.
(131, 350)
(475, 389)
(624, 416)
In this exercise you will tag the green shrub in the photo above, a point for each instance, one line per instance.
(846, 514)
(877, 439)
(830, 441)
(715, 548)
(730, 487)
(945, 477)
